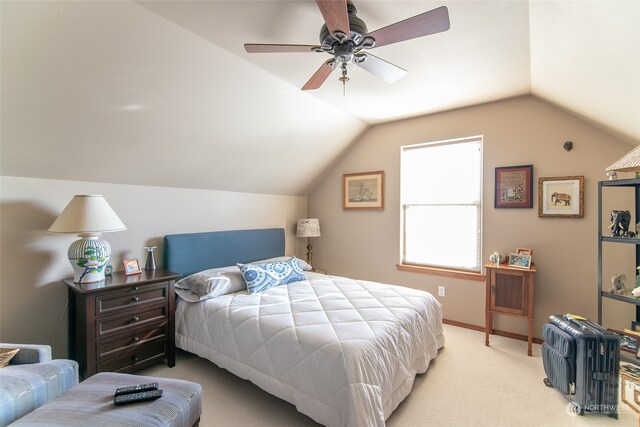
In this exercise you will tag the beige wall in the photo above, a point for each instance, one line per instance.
(32, 262)
(520, 131)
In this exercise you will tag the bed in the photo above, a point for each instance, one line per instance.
(345, 352)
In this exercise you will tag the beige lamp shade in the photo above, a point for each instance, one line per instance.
(630, 162)
(87, 214)
(308, 227)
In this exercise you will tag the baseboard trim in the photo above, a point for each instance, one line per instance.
(495, 331)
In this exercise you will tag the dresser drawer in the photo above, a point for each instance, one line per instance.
(112, 347)
(122, 322)
(132, 361)
(133, 297)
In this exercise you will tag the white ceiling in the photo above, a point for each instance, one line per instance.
(484, 56)
(166, 89)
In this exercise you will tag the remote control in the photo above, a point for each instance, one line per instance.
(124, 399)
(136, 388)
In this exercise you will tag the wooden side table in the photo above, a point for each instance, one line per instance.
(509, 291)
(122, 323)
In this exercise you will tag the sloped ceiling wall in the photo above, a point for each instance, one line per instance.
(110, 92)
(585, 57)
(162, 93)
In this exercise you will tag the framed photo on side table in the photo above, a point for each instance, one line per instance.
(363, 190)
(561, 197)
(524, 251)
(131, 267)
(520, 260)
(514, 187)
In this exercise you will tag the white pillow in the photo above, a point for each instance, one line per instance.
(210, 284)
(303, 264)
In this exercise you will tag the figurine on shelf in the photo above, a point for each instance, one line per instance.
(617, 284)
(612, 175)
(620, 221)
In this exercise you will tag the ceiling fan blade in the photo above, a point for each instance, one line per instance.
(334, 13)
(275, 48)
(434, 21)
(382, 69)
(319, 76)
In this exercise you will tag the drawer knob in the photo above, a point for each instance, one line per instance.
(135, 318)
(135, 359)
(135, 299)
(135, 288)
(136, 339)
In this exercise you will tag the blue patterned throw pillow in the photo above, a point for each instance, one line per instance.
(260, 277)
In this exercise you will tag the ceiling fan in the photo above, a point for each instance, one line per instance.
(345, 37)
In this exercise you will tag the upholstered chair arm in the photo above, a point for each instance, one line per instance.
(29, 353)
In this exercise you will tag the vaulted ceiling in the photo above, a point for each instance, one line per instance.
(163, 93)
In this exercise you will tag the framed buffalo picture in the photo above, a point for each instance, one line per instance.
(514, 187)
(561, 197)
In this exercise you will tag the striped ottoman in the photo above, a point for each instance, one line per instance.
(90, 403)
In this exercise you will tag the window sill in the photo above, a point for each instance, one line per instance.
(458, 274)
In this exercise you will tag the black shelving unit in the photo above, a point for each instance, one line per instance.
(629, 299)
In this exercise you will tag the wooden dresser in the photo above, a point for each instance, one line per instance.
(123, 323)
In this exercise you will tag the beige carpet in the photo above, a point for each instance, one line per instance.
(468, 384)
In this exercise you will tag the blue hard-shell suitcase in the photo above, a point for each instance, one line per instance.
(581, 359)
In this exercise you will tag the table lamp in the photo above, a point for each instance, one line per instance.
(308, 227)
(89, 216)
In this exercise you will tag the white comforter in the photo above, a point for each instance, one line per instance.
(345, 352)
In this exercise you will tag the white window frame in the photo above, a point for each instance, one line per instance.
(449, 169)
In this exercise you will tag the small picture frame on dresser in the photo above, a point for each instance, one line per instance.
(520, 260)
(131, 267)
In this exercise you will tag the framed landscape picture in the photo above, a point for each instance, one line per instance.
(363, 190)
(514, 187)
(561, 197)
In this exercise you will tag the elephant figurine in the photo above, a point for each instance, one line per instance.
(620, 221)
(617, 284)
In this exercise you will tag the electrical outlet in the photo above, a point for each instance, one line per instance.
(440, 291)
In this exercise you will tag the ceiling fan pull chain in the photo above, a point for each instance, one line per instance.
(344, 79)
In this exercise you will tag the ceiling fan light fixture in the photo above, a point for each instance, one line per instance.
(344, 36)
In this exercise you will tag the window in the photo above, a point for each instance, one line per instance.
(441, 198)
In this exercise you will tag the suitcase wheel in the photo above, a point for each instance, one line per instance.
(577, 409)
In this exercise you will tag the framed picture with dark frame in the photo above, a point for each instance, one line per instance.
(561, 197)
(363, 191)
(513, 187)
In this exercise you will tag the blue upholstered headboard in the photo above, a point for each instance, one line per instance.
(192, 252)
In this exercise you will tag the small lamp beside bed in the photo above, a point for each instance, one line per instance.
(308, 227)
(88, 216)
